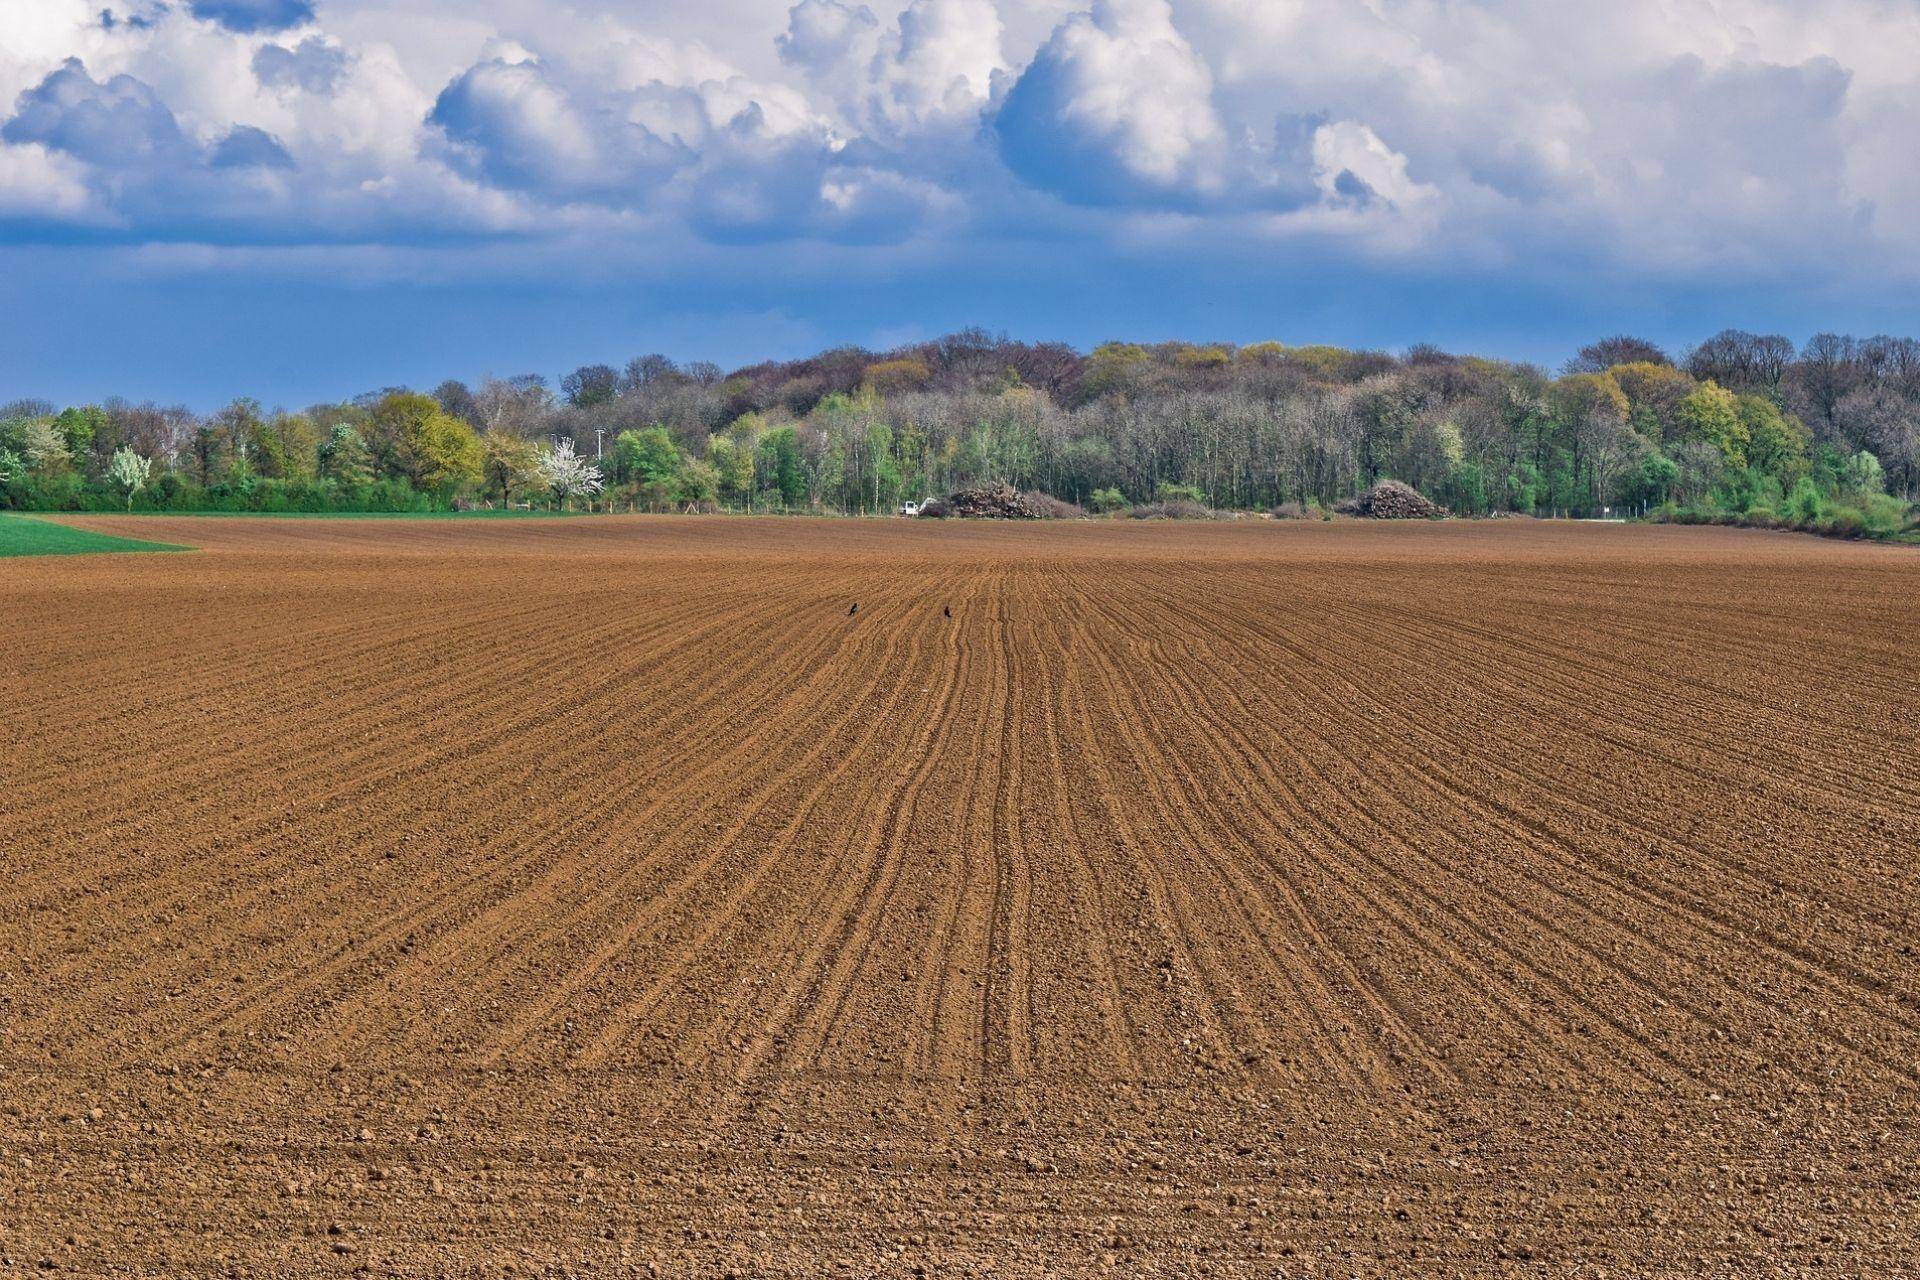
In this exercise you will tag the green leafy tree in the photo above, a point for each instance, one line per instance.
(345, 459)
(237, 481)
(1655, 480)
(1711, 413)
(269, 449)
(1590, 436)
(437, 452)
(509, 464)
(1804, 502)
(697, 482)
(732, 461)
(1776, 443)
(298, 438)
(1466, 488)
(1864, 474)
(1654, 393)
(1743, 488)
(449, 454)
(590, 385)
(648, 459)
(880, 485)
(781, 466)
(78, 426)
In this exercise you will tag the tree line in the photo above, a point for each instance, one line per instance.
(1744, 426)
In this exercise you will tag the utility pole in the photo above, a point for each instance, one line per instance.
(598, 434)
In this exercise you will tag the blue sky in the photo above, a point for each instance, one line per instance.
(304, 199)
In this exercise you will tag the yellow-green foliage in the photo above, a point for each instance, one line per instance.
(1329, 361)
(1654, 393)
(890, 377)
(1582, 395)
(1483, 367)
(1212, 357)
(509, 464)
(1776, 443)
(1712, 413)
(1112, 366)
(435, 450)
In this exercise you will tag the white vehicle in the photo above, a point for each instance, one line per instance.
(910, 508)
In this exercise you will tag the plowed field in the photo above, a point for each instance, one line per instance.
(577, 897)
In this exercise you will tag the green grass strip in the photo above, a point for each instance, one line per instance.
(32, 536)
(350, 515)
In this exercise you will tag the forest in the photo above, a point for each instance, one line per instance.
(1745, 428)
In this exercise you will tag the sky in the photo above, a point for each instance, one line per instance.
(301, 200)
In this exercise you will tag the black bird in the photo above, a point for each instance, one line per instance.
(946, 611)
(855, 609)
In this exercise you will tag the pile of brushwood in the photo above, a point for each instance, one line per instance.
(1391, 500)
(1000, 501)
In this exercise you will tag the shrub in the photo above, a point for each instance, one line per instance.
(1864, 474)
(1048, 507)
(1107, 501)
(1180, 509)
(1882, 514)
(1805, 505)
(61, 491)
(1845, 522)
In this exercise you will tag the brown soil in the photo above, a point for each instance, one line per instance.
(1278, 900)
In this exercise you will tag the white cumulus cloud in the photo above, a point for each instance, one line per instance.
(1735, 139)
(1115, 106)
(933, 66)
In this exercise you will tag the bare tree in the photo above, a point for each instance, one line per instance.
(1741, 361)
(1598, 357)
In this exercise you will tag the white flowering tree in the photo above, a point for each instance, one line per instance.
(130, 471)
(568, 474)
(44, 445)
